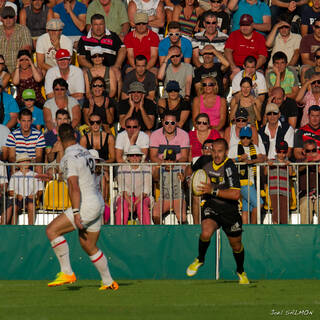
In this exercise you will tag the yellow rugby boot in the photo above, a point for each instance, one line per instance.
(61, 279)
(193, 268)
(114, 286)
(243, 279)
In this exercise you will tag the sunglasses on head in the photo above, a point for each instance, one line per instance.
(92, 122)
(272, 113)
(177, 34)
(316, 82)
(202, 122)
(241, 120)
(97, 86)
(132, 127)
(169, 122)
(97, 56)
(210, 84)
(245, 137)
(207, 148)
(211, 22)
(310, 150)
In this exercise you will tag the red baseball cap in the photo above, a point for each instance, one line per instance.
(246, 20)
(62, 54)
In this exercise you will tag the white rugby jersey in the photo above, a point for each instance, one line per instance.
(77, 161)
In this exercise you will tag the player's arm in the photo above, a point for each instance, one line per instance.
(74, 194)
(228, 194)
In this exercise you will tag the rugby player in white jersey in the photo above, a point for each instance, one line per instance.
(78, 169)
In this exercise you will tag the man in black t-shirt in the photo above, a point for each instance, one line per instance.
(219, 208)
(137, 106)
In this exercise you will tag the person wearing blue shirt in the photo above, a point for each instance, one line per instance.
(9, 109)
(174, 38)
(73, 14)
(259, 11)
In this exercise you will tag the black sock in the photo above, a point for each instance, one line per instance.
(239, 257)
(203, 247)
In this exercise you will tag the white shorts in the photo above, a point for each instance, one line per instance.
(91, 212)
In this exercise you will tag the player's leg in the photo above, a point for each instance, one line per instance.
(55, 231)
(208, 227)
(88, 241)
(238, 253)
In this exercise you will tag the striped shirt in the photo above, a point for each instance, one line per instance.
(26, 144)
(188, 25)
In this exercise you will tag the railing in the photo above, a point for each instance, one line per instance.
(155, 194)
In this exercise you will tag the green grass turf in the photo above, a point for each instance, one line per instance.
(155, 299)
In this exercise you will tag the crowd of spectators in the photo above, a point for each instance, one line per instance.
(153, 80)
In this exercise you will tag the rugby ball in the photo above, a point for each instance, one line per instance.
(197, 177)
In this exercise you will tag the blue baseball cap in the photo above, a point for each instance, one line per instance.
(246, 132)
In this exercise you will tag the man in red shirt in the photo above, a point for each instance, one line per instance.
(245, 42)
(142, 41)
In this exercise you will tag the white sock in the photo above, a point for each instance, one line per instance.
(101, 263)
(61, 249)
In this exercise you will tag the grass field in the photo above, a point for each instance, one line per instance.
(166, 299)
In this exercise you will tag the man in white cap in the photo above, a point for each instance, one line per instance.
(13, 37)
(49, 43)
(72, 74)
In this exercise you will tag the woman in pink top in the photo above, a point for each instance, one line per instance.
(212, 104)
(200, 135)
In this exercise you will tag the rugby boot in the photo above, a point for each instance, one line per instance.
(193, 268)
(61, 279)
(114, 286)
(243, 279)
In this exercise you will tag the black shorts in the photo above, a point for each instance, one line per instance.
(228, 218)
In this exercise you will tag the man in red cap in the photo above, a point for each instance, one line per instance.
(245, 42)
(72, 74)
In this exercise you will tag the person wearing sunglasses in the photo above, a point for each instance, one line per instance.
(309, 177)
(177, 70)
(248, 153)
(187, 13)
(210, 35)
(132, 135)
(61, 100)
(309, 95)
(99, 103)
(309, 14)
(27, 76)
(277, 179)
(313, 70)
(176, 104)
(245, 42)
(98, 69)
(283, 76)
(142, 41)
(310, 131)
(169, 137)
(17, 35)
(275, 131)
(211, 103)
(174, 38)
(282, 39)
(138, 106)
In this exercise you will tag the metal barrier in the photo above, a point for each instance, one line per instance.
(149, 193)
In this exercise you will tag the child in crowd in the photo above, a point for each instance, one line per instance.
(278, 182)
(25, 189)
(29, 98)
(135, 187)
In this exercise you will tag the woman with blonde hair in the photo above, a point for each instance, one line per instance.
(211, 103)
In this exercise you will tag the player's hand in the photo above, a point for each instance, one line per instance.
(205, 187)
(78, 221)
(44, 176)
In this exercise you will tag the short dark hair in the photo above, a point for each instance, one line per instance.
(174, 25)
(63, 112)
(285, 17)
(61, 82)
(279, 55)
(168, 113)
(23, 53)
(221, 141)
(97, 16)
(66, 132)
(250, 59)
(208, 14)
(208, 141)
(133, 118)
(317, 20)
(24, 112)
(175, 47)
(309, 142)
(246, 79)
(202, 115)
(94, 114)
(140, 57)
